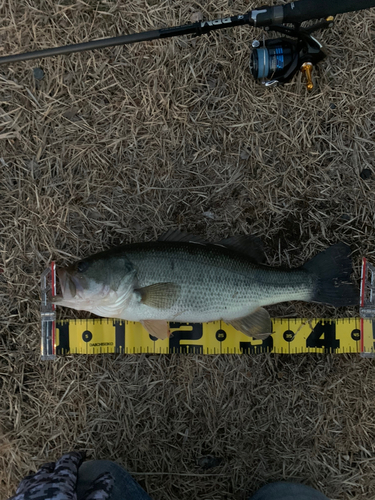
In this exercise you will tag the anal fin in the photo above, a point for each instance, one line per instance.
(257, 324)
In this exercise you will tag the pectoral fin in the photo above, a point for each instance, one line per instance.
(159, 295)
(157, 328)
(257, 324)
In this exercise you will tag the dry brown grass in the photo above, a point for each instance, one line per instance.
(122, 144)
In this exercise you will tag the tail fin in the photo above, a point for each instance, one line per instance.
(332, 269)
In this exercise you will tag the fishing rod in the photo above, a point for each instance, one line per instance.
(272, 61)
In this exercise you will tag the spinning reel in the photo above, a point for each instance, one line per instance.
(277, 60)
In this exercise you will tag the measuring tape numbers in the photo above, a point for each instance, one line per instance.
(290, 336)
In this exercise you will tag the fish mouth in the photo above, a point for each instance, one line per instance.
(67, 286)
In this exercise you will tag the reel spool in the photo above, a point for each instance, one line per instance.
(276, 60)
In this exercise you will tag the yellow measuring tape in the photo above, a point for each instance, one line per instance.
(290, 336)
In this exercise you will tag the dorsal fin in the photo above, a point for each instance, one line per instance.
(249, 246)
(181, 236)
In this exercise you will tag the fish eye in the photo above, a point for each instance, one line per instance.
(82, 266)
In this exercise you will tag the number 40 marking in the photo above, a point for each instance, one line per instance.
(324, 336)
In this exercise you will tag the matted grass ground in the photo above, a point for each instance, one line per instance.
(122, 144)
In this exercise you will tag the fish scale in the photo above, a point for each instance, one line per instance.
(213, 280)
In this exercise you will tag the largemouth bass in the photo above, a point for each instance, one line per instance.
(182, 278)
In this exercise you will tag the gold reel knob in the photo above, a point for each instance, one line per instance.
(306, 69)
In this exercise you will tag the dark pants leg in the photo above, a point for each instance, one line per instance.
(125, 487)
(287, 491)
